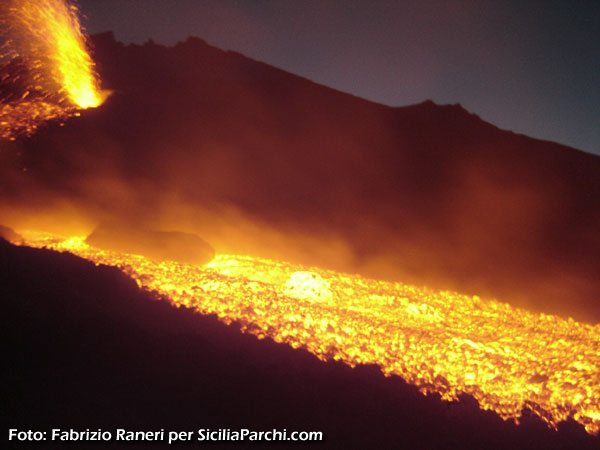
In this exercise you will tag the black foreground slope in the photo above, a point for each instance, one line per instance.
(86, 349)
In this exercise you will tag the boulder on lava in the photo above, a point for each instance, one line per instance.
(157, 245)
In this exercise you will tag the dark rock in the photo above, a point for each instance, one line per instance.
(158, 245)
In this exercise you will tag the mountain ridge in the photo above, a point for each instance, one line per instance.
(259, 161)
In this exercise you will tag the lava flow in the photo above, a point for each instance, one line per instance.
(505, 357)
(46, 72)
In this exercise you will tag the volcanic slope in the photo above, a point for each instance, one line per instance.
(261, 162)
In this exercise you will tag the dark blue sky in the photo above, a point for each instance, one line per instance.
(529, 66)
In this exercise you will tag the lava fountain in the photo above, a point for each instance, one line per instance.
(46, 72)
(443, 342)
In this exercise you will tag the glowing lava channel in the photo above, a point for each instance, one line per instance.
(45, 66)
(505, 357)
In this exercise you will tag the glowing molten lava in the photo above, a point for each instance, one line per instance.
(505, 357)
(46, 62)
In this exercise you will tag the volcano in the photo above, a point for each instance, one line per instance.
(258, 161)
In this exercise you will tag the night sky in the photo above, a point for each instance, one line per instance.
(528, 66)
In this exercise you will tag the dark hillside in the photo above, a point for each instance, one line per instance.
(256, 160)
(85, 348)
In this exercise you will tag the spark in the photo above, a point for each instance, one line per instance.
(46, 71)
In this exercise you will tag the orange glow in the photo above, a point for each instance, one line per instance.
(505, 357)
(45, 37)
